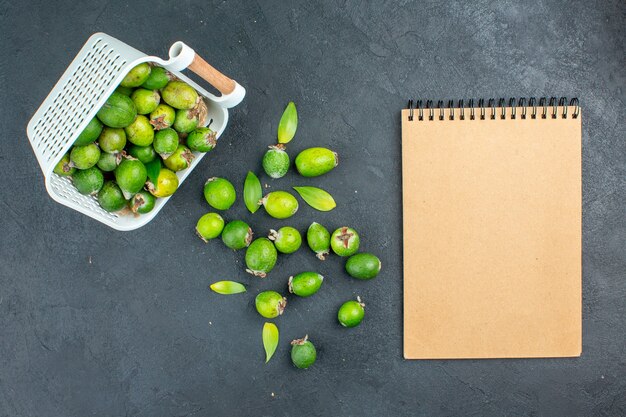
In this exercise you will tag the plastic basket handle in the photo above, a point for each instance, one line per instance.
(182, 56)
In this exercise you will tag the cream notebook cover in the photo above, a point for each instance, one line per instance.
(492, 229)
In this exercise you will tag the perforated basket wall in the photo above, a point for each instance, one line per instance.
(84, 87)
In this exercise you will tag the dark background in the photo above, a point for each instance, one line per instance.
(106, 323)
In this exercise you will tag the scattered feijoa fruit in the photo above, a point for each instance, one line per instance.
(90, 133)
(83, 157)
(276, 161)
(286, 239)
(270, 304)
(305, 284)
(280, 204)
(166, 184)
(142, 202)
(209, 226)
(351, 313)
(111, 197)
(202, 139)
(314, 162)
(261, 257)
(236, 234)
(303, 353)
(345, 241)
(318, 239)
(179, 95)
(137, 76)
(112, 140)
(88, 181)
(118, 111)
(64, 166)
(219, 193)
(363, 266)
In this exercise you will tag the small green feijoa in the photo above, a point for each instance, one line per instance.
(162, 117)
(136, 76)
(127, 91)
(305, 284)
(140, 131)
(276, 161)
(90, 133)
(142, 202)
(131, 175)
(166, 182)
(270, 304)
(112, 140)
(317, 198)
(303, 353)
(260, 257)
(202, 139)
(146, 101)
(180, 159)
(219, 193)
(351, 313)
(145, 154)
(165, 142)
(186, 120)
(88, 181)
(109, 161)
(288, 123)
(270, 340)
(318, 239)
(314, 162)
(280, 204)
(64, 167)
(227, 287)
(252, 192)
(179, 95)
(83, 157)
(209, 226)
(237, 234)
(363, 266)
(287, 239)
(345, 241)
(111, 197)
(158, 78)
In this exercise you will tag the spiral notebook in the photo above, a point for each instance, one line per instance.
(492, 229)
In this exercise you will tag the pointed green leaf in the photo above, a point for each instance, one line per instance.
(317, 198)
(153, 168)
(252, 192)
(288, 123)
(228, 287)
(270, 340)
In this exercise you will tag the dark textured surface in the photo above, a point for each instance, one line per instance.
(99, 322)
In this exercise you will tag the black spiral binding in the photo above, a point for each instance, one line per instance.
(544, 108)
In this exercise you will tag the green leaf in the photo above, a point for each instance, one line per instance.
(270, 340)
(288, 124)
(153, 168)
(228, 287)
(317, 198)
(252, 192)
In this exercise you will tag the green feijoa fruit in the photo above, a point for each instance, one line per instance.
(313, 162)
(186, 120)
(131, 175)
(64, 166)
(83, 157)
(165, 185)
(146, 101)
(305, 284)
(219, 193)
(280, 204)
(237, 234)
(363, 266)
(209, 226)
(180, 159)
(140, 132)
(88, 181)
(137, 76)
(260, 257)
(112, 140)
(142, 202)
(303, 353)
(179, 95)
(158, 78)
(127, 91)
(318, 238)
(162, 117)
(286, 239)
(90, 133)
(351, 313)
(270, 304)
(109, 161)
(111, 197)
(118, 111)
(202, 139)
(165, 142)
(144, 153)
(345, 241)
(276, 161)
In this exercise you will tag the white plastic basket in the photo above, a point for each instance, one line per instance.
(90, 79)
